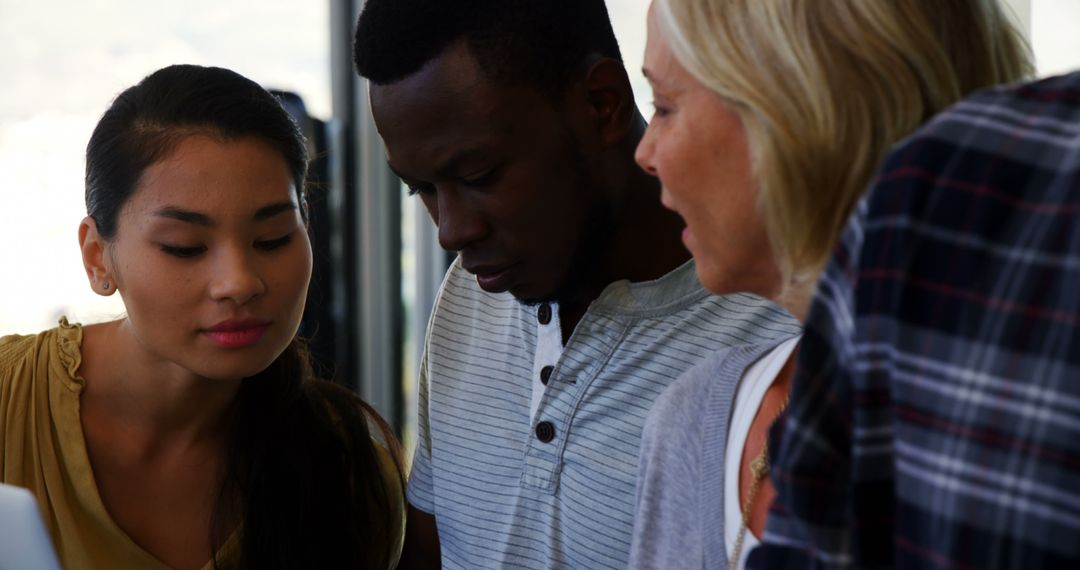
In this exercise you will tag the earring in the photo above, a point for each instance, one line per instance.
(106, 285)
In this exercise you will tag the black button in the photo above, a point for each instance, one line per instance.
(544, 314)
(545, 431)
(545, 373)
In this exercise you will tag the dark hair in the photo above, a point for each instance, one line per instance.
(302, 464)
(147, 121)
(301, 475)
(535, 43)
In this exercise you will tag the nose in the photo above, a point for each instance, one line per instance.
(646, 151)
(460, 222)
(236, 277)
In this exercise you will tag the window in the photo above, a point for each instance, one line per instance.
(63, 63)
(1053, 35)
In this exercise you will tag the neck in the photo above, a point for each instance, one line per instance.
(797, 295)
(647, 239)
(797, 302)
(645, 244)
(156, 404)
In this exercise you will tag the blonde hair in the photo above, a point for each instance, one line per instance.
(825, 87)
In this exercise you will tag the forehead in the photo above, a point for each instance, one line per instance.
(450, 106)
(660, 65)
(205, 173)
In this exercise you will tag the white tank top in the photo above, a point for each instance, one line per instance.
(748, 396)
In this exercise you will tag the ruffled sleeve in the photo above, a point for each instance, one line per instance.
(68, 357)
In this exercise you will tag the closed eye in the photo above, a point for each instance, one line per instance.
(480, 180)
(415, 189)
(182, 252)
(660, 110)
(272, 244)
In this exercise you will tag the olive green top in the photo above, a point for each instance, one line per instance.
(42, 449)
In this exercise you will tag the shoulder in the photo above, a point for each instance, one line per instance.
(676, 469)
(54, 351)
(692, 388)
(17, 352)
(691, 416)
(728, 320)
(994, 139)
(998, 112)
(676, 419)
(16, 349)
(751, 319)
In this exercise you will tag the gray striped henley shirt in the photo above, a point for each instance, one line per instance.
(556, 490)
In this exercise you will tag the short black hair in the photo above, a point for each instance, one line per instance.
(533, 43)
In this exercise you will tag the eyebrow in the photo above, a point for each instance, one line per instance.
(185, 216)
(267, 212)
(652, 79)
(448, 167)
(201, 219)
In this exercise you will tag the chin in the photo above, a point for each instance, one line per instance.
(535, 296)
(532, 300)
(569, 286)
(231, 369)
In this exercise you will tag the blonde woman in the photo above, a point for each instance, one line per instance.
(771, 116)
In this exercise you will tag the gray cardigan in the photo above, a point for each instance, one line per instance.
(679, 521)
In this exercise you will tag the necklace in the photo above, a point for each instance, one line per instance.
(759, 469)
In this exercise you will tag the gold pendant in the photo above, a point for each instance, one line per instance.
(760, 466)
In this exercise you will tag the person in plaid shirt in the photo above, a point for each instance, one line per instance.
(935, 415)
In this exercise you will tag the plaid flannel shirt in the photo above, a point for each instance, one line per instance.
(935, 414)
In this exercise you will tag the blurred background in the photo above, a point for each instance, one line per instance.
(62, 62)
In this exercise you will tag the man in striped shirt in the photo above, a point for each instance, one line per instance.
(572, 303)
(935, 416)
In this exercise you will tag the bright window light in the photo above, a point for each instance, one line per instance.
(63, 63)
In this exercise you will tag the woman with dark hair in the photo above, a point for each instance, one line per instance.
(192, 433)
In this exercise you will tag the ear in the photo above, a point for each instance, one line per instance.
(611, 100)
(93, 248)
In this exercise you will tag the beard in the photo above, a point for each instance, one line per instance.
(592, 249)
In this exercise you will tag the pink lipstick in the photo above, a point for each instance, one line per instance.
(237, 333)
